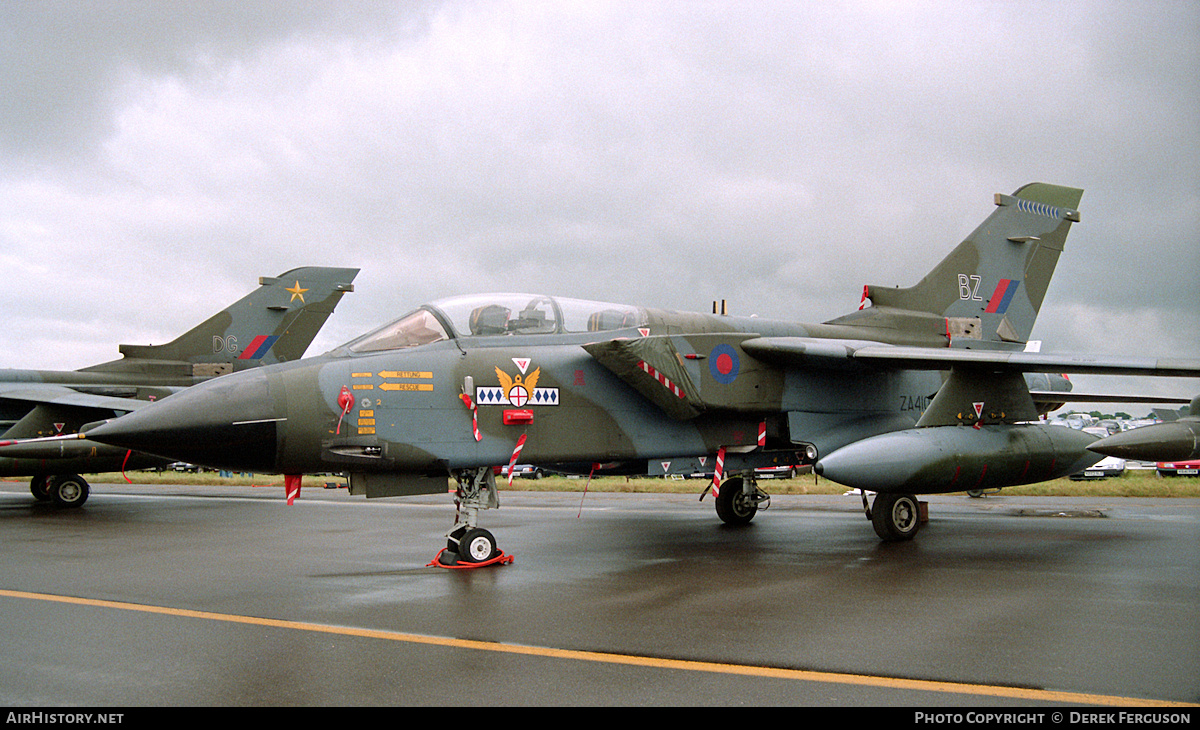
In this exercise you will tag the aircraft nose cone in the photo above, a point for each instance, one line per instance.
(229, 423)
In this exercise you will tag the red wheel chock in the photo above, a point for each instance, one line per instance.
(440, 561)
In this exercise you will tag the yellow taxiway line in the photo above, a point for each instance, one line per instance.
(800, 675)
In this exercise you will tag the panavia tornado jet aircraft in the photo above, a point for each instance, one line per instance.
(271, 325)
(922, 390)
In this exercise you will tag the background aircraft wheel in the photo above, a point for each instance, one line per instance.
(68, 490)
(975, 493)
(896, 516)
(40, 487)
(477, 545)
(734, 507)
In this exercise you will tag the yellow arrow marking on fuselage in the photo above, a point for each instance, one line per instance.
(413, 374)
(407, 386)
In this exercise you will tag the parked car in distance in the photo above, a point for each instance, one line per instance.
(525, 471)
(1178, 468)
(781, 472)
(1109, 466)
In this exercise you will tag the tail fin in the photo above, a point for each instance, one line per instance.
(275, 323)
(990, 288)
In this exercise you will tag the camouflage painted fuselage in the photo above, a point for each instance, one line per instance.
(409, 405)
(628, 394)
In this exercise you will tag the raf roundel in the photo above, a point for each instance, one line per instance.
(723, 364)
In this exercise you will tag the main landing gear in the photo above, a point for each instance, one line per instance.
(738, 499)
(895, 517)
(467, 544)
(65, 490)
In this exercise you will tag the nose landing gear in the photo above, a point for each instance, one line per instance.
(467, 544)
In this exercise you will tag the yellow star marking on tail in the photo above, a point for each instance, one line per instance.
(296, 292)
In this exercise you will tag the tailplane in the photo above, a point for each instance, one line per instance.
(275, 323)
(989, 289)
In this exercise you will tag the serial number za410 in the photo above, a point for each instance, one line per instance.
(914, 402)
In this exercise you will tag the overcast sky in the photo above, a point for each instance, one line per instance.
(157, 157)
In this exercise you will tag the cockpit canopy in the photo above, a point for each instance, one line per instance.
(495, 315)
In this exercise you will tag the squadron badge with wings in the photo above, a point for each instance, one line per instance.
(517, 390)
(514, 389)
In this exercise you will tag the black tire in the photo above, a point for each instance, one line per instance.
(68, 490)
(896, 517)
(733, 506)
(39, 486)
(974, 493)
(477, 546)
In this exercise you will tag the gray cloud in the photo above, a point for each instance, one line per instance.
(162, 156)
(64, 61)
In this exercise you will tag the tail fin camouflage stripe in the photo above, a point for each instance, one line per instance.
(259, 347)
(1002, 297)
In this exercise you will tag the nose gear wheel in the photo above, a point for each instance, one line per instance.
(467, 545)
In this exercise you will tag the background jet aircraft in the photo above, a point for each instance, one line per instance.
(924, 391)
(271, 325)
